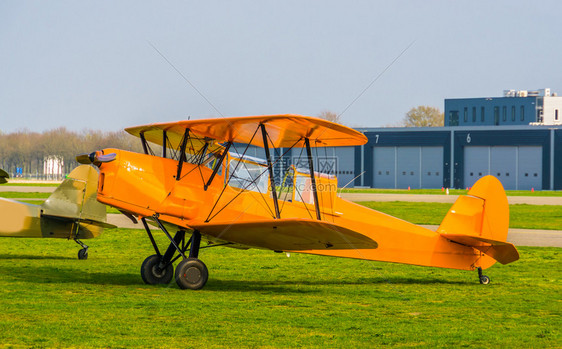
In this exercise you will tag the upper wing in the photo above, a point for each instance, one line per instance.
(3, 176)
(288, 235)
(283, 131)
(174, 135)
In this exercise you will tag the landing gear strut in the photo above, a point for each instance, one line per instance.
(484, 280)
(191, 273)
(83, 253)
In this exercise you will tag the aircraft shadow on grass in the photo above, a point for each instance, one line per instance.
(243, 285)
(57, 274)
(62, 275)
(32, 257)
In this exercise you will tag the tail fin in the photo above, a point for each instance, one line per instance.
(75, 201)
(3, 176)
(481, 221)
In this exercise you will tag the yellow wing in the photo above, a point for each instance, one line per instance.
(288, 234)
(283, 131)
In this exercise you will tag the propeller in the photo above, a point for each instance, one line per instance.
(97, 158)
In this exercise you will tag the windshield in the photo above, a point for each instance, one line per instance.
(248, 176)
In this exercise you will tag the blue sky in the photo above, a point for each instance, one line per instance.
(89, 64)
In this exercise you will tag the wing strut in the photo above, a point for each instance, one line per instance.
(218, 165)
(311, 167)
(270, 168)
(144, 145)
(182, 153)
(164, 141)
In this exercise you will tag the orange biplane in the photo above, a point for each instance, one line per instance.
(198, 186)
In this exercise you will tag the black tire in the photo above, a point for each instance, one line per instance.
(151, 274)
(83, 254)
(484, 280)
(191, 274)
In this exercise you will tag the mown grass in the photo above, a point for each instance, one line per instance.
(23, 195)
(360, 190)
(35, 184)
(521, 215)
(451, 192)
(259, 298)
(432, 213)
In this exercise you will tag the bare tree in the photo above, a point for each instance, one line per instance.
(330, 116)
(27, 150)
(423, 116)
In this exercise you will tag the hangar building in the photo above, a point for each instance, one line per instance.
(517, 138)
(522, 157)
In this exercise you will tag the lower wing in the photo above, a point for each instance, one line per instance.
(288, 234)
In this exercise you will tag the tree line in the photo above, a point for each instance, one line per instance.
(28, 150)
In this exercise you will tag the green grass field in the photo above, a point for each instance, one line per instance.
(520, 216)
(451, 192)
(12, 183)
(256, 298)
(23, 195)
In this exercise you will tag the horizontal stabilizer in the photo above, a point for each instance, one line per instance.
(288, 235)
(80, 220)
(503, 252)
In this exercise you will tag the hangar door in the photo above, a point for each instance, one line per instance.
(403, 167)
(518, 168)
(339, 161)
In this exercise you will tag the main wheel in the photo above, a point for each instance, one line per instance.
(191, 273)
(83, 254)
(152, 274)
(484, 280)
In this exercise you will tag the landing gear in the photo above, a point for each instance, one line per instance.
(191, 273)
(484, 280)
(154, 273)
(83, 253)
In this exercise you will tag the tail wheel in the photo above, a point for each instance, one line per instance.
(152, 274)
(192, 274)
(484, 280)
(83, 253)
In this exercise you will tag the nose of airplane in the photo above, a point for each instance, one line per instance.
(96, 158)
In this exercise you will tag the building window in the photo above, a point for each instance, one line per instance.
(473, 114)
(522, 113)
(555, 114)
(482, 114)
(513, 113)
(496, 115)
(465, 118)
(454, 118)
(504, 113)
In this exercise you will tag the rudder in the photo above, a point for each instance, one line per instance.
(75, 200)
(481, 220)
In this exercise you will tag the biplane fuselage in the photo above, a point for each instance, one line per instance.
(145, 185)
(208, 197)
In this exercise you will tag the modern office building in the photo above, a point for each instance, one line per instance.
(520, 107)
